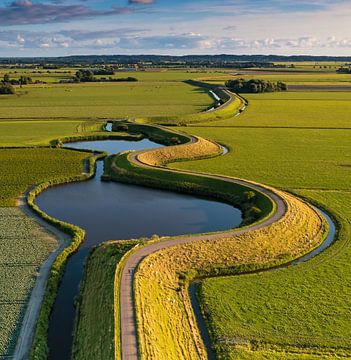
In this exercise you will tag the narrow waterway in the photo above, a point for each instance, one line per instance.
(119, 211)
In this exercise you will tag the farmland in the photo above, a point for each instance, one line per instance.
(296, 141)
(20, 169)
(32, 132)
(113, 100)
(268, 315)
(23, 247)
(294, 109)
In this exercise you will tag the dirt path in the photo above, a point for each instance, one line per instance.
(129, 340)
(25, 338)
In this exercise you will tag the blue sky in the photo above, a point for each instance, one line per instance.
(179, 27)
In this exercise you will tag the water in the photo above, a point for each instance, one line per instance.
(118, 211)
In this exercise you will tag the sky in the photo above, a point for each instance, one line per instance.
(178, 27)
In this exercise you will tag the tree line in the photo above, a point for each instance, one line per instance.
(89, 75)
(255, 86)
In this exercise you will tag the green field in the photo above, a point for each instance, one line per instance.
(288, 158)
(23, 168)
(299, 141)
(23, 248)
(101, 100)
(305, 309)
(32, 133)
(294, 109)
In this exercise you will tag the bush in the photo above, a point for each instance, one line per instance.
(7, 89)
(255, 86)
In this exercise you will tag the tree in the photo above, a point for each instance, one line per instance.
(6, 89)
(255, 86)
(6, 78)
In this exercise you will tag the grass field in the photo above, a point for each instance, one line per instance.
(294, 109)
(288, 158)
(101, 100)
(300, 312)
(23, 247)
(305, 308)
(32, 133)
(23, 168)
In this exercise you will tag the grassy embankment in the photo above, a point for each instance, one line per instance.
(302, 312)
(95, 330)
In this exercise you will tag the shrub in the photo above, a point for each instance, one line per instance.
(255, 86)
(7, 89)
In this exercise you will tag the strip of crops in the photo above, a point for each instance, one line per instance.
(22, 168)
(24, 246)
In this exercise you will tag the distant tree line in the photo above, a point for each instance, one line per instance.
(89, 75)
(22, 80)
(344, 70)
(164, 60)
(255, 86)
(6, 88)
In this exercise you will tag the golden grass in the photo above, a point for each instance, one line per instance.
(166, 324)
(166, 155)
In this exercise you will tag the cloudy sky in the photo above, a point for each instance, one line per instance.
(176, 27)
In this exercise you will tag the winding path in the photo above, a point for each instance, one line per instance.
(129, 340)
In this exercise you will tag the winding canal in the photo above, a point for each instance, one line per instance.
(119, 211)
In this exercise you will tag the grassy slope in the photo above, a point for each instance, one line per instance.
(94, 336)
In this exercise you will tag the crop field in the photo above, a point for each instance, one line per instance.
(291, 313)
(292, 308)
(20, 169)
(294, 109)
(24, 245)
(54, 76)
(278, 156)
(101, 100)
(31, 133)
